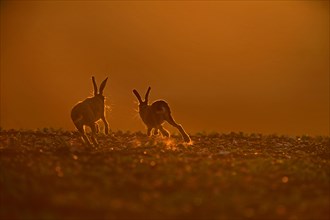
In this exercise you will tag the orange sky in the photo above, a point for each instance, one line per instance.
(251, 66)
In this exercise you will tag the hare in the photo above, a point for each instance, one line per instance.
(156, 114)
(89, 111)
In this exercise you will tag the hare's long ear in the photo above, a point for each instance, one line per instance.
(94, 85)
(137, 95)
(147, 95)
(102, 86)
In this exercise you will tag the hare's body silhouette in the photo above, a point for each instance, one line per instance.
(89, 111)
(156, 114)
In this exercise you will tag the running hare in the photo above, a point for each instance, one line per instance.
(89, 111)
(156, 114)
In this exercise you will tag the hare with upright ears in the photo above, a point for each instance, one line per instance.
(89, 111)
(156, 114)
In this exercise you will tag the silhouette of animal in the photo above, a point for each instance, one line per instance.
(156, 114)
(89, 111)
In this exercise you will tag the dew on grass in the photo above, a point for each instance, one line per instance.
(285, 179)
(59, 171)
(281, 210)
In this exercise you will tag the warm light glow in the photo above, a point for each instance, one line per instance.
(252, 66)
(169, 142)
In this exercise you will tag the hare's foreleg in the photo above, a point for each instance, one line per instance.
(81, 129)
(94, 127)
(86, 140)
(106, 125)
(149, 131)
(164, 132)
(171, 121)
(156, 131)
(97, 128)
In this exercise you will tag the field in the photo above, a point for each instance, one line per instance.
(49, 174)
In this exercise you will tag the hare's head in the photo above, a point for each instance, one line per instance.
(99, 93)
(142, 104)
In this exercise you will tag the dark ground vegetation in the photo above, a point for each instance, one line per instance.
(48, 174)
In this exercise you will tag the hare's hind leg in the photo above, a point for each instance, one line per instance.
(171, 121)
(106, 125)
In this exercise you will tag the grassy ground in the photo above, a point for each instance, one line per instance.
(48, 174)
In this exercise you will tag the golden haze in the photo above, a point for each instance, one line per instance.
(252, 66)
